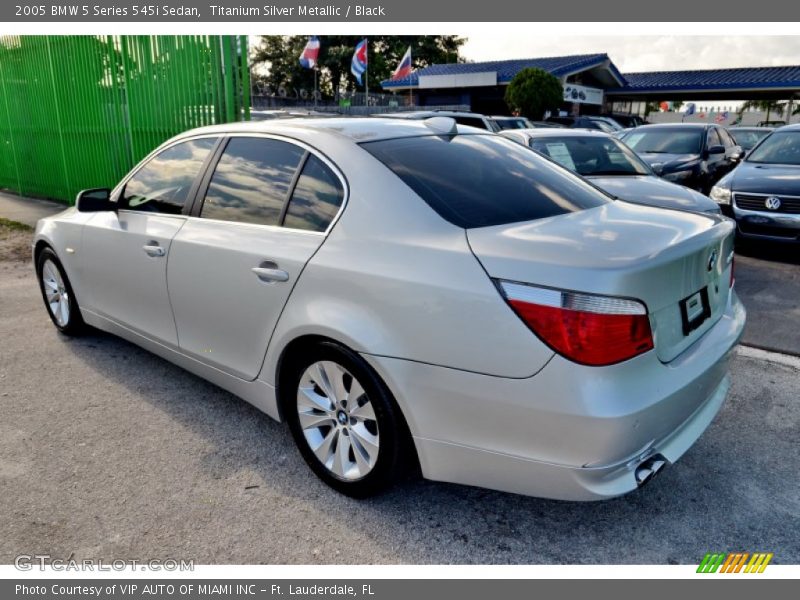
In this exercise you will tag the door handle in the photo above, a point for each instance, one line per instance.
(153, 250)
(270, 274)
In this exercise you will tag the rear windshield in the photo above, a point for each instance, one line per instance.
(484, 180)
(665, 141)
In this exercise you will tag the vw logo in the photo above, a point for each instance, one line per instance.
(773, 203)
(712, 260)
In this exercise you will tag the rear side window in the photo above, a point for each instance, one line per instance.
(713, 138)
(251, 181)
(162, 185)
(483, 180)
(471, 122)
(316, 197)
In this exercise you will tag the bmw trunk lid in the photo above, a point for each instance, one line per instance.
(678, 263)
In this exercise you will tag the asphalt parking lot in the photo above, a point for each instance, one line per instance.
(107, 451)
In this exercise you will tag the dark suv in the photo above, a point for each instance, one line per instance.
(696, 155)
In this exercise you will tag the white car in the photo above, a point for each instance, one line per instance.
(412, 293)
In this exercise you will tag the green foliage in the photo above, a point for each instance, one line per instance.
(534, 91)
(280, 54)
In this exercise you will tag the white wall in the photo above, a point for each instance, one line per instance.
(748, 118)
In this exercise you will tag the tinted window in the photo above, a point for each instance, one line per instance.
(591, 155)
(251, 181)
(481, 180)
(316, 198)
(471, 121)
(727, 140)
(713, 138)
(163, 184)
(519, 123)
(667, 140)
(779, 148)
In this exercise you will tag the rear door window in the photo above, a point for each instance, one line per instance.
(471, 121)
(484, 180)
(251, 181)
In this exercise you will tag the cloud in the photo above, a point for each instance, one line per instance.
(645, 53)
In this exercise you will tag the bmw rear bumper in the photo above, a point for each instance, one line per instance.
(569, 432)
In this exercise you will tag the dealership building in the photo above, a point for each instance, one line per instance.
(593, 84)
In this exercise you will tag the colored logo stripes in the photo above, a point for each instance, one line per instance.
(735, 562)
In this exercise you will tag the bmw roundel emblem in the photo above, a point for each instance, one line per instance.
(712, 260)
(772, 203)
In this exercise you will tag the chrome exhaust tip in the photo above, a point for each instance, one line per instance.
(648, 468)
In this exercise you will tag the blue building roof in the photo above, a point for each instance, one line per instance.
(506, 69)
(754, 78)
(713, 79)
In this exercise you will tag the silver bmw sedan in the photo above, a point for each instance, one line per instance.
(412, 295)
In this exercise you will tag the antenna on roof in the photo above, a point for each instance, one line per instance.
(442, 125)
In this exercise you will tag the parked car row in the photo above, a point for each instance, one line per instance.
(752, 173)
(416, 294)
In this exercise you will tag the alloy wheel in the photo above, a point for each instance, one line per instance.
(338, 420)
(56, 293)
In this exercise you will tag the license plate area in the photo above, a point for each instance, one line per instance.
(695, 309)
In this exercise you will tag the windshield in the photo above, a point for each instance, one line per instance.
(475, 180)
(749, 138)
(665, 141)
(780, 148)
(591, 155)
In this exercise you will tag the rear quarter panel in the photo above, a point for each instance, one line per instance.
(394, 279)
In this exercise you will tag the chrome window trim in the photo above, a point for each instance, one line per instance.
(231, 134)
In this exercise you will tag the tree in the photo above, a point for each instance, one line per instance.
(280, 54)
(768, 106)
(534, 91)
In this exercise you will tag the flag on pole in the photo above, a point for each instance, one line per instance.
(308, 59)
(723, 116)
(690, 109)
(359, 63)
(403, 69)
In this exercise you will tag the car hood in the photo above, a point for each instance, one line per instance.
(767, 179)
(666, 159)
(654, 191)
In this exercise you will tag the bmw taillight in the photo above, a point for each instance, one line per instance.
(585, 328)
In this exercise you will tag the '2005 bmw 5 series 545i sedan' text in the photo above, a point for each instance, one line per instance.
(412, 294)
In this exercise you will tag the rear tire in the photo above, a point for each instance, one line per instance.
(59, 299)
(344, 421)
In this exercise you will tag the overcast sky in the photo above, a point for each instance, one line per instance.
(645, 53)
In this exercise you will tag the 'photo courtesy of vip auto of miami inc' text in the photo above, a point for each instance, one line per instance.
(377, 300)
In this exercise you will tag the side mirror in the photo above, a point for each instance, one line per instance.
(95, 200)
(718, 149)
(658, 168)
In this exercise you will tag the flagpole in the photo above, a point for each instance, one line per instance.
(315, 87)
(366, 73)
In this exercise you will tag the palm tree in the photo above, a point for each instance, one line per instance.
(768, 106)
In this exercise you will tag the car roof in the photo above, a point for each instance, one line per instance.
(421, 114)
(356, 129)
(556, 132)
(506, 117)
(676, 126)
(792, 127)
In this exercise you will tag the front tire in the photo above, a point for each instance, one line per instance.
(59, 299)
(344, 421)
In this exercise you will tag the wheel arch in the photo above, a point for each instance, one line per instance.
(295, 348)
